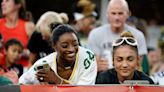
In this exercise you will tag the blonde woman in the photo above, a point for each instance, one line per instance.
(39, 43)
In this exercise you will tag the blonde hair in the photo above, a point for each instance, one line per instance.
(126, 34)
(51, 17)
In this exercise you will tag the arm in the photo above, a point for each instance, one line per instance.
(33, 46)
(30, 27)
(29, 77)
(32, 59)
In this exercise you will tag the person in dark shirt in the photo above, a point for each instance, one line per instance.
(125, 60)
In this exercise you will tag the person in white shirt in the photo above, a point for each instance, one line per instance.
(70, 64)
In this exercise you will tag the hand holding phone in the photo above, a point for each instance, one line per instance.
(43, 67)
(41, 72)
(46, 74)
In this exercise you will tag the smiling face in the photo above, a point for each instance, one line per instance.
(125, 61)
(9, 6)
(67, 47)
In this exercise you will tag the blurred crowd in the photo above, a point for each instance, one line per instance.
(26, 47)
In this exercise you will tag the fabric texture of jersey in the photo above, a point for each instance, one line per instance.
(84, 72)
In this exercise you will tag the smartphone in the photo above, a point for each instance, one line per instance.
(44, 67)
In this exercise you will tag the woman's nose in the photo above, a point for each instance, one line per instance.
(71, 48)
(124, 64)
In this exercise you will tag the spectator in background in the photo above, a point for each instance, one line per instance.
(132, 21)
(39, 43)
(100, 39)
(14, 24)
(13, 50)
(125, 60)
(70, 64)
(142, 26)
(153, 33)
(158, 76)
(138, 23)
(154, 57)
(85, 19)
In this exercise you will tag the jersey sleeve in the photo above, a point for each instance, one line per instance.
(89, 73)
(29, 77)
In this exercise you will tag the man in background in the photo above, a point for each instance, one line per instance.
(100, 39)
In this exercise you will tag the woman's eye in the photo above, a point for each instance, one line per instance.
(119, 59)
(75, 45)
(64, 46)
(130, 58)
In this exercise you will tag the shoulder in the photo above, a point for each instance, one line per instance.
(83, 52)
(83, 49)
(143, 76)
(98, 30)
(108, 76)
(108, 73)
(134, 31)
(29, 26)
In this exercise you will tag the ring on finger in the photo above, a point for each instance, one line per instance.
(41, 78)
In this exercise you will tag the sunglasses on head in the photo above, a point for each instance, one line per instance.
(129, 40)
